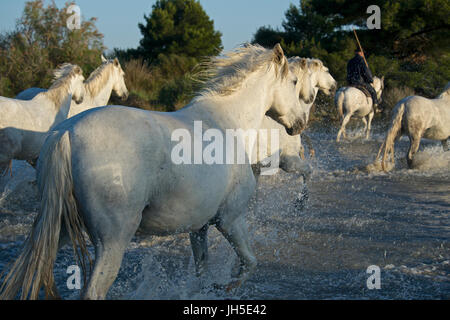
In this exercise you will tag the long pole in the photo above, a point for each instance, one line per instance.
(360, 48)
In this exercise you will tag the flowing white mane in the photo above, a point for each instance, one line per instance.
(226, 73)
(61, 83)
(314, 64)
(99, 77)
(297, 65)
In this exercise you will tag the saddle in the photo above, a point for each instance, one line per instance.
(362, 88)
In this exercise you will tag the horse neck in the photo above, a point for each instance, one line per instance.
(102, 96)
(58, 100)
(49, 112)
(64, 110)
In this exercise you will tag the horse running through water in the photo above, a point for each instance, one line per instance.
(108, 77)
(351, 101)
(24, 124)
(315, 76)
(417, 117)
(109, 171)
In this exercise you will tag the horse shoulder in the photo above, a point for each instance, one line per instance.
(14, 112)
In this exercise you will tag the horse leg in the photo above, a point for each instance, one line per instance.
(237, 235)
(199, 244)
(342, 130)
(10, 145)
(369, 125)
(108, 258)
(445, 145)
(110, 231)
(363, 119)
(302, 152)
(414, 146)
(307, 140)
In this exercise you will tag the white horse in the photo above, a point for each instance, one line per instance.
(315, 76)
(418, 117)
(25, 124)
(351, 101)
(111, 171)
(99, 86)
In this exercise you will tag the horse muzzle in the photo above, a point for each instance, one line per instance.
(79, 100)
(297, 128)
(125, 96)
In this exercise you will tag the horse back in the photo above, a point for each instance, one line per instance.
(123, 155)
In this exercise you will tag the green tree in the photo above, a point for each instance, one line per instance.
(411, 49)
(413, 30)
(179, 27)
(40, 42)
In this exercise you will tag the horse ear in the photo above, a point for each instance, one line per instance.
(78, 70)
(103, 59)
(316, 64)
(382, 79)
(278, 54)
(304, 63)
(116, 62)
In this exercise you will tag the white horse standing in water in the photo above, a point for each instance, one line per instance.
(351, 101)
(313, 76)
(109, 171)
(418, 117)
(24, 124)
(101, 83)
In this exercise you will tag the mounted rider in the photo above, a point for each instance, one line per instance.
(359, 75)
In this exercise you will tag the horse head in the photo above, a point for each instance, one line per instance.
(305, 86)
(321, 76)
(286, 108)
(119, 86)
(77, 84)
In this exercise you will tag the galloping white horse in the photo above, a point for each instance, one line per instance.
(111, 171)
(418, 117)
(316, 76)
(351, 101)
(99, 86)
(25, 124)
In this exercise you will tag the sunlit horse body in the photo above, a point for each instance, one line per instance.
(417, 117)
(24, 124)
(101, 83)
(313, 76)
(351, 101)
(110, 170)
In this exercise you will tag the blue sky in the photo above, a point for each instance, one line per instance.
(238, 20)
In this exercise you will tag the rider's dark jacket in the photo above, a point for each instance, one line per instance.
(357, 71)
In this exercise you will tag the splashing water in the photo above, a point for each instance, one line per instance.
(399, 221)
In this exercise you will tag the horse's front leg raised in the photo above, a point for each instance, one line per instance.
(237, 234)
(199, 244)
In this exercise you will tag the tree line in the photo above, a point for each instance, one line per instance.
(411, 49)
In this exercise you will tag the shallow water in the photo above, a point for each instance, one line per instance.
(399, 221)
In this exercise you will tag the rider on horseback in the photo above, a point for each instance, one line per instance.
(358, 74)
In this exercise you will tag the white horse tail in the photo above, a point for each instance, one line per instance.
(387, 148)
(339, 102)
(34, 267)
